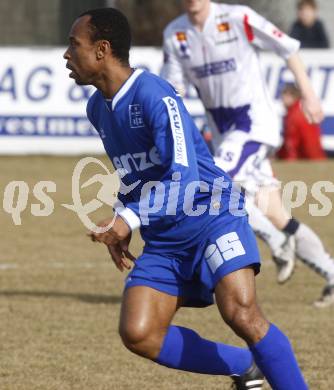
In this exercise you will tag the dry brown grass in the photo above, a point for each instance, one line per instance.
(60, 305)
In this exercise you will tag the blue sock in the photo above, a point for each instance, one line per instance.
(274, 357)
(185, 350)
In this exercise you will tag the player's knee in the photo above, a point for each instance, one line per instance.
(246, 319)
(133, 335)
(238, 314)
(140, 339)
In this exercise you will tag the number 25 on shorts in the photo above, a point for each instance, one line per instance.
(227, 247)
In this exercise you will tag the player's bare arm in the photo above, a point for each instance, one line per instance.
(311, 104)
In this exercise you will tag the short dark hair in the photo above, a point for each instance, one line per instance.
(111, 25)
(307, 3)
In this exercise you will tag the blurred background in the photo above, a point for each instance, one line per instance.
(37, 99)
(40, 22)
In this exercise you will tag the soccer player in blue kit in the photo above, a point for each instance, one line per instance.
(198, 242)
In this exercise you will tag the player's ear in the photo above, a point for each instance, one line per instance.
(103, 48)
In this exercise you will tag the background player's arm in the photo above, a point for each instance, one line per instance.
(310, 103)
(172, 69)
(265, 35)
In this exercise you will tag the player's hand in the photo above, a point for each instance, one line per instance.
(120, 253)
(117, 240)
(117, 233)
(312, 109)
(104, 223)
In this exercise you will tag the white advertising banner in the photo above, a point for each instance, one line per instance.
(42, 110)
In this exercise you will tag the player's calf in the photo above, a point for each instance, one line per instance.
(271, 349)
(247, 322)
(236, 300)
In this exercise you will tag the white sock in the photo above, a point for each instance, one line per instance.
(311, 251)
(263, 227)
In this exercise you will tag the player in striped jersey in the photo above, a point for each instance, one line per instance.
(215, 48)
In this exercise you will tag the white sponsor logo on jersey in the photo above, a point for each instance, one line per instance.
(139, 161)
(180, 149)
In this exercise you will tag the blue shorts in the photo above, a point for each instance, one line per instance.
(194, 272)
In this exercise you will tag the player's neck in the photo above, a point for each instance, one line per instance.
(198, 19)
(111, 80)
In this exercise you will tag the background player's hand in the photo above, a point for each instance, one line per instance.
(312, 109)
(117, 233)
(310, 103)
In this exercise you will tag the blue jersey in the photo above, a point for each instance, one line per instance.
(147, 131)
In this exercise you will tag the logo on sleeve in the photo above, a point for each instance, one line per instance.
(102, 133)
(136, 116)
(278, 33)
(181, 38)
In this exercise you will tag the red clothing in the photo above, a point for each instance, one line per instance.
(301, 139)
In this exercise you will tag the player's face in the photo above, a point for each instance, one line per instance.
(307, 15)
(81, 54)
(195, 6)
(288, 99)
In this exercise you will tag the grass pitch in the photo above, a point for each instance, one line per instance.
(60, 298)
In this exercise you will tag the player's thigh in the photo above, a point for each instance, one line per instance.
(242, 161)
(146, 313)
(230, 151)
(269, 200)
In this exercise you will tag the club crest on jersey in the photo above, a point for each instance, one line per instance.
(136, 116)
(223, 27)
(181, 37)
